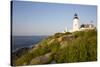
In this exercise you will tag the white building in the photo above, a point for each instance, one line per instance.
(82, 27)
(66, 30)
(75, 23)
(77, 27)
(86, 27)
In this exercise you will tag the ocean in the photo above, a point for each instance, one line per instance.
(25, 41)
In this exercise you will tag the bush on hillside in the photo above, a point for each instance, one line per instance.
(81, 49)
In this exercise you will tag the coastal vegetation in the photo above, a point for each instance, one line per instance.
(79, 46)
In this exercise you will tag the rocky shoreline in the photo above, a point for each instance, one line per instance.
(60, 48)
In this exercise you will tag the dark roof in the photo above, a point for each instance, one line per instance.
(86, 25)
(75, 16)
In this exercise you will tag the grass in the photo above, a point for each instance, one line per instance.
(82, 48)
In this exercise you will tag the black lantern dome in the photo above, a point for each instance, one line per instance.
(76, 16)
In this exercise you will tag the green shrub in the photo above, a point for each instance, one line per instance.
(67, 33)
(60, 56)
(83, 48)
(57, 35)
(54, 46)
(24, 59)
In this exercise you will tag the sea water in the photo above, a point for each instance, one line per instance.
(25, 41)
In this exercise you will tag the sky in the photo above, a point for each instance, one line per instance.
(39, 18)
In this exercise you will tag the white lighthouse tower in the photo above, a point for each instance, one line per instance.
(75, 23)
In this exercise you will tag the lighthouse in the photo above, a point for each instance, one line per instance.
(75, 23)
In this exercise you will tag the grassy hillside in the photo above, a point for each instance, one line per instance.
(80, 46)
